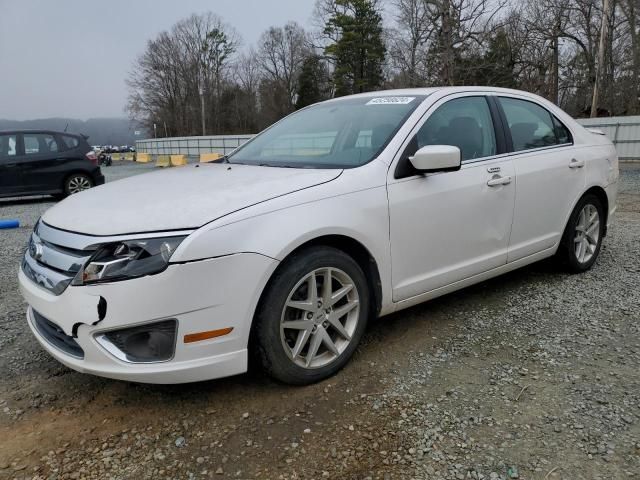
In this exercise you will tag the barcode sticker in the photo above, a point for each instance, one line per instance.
(390, 101)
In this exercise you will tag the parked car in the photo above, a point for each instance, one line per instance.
(44, 162)
(348, 209)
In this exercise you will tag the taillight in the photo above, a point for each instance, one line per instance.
(92, 157)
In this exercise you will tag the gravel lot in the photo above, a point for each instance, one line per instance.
(533, 375)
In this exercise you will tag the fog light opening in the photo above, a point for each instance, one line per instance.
(148, 343)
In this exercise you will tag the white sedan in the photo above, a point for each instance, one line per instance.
(349, 209)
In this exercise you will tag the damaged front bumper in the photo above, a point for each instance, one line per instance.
(217, 294)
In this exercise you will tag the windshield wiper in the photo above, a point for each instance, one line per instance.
(222, 159)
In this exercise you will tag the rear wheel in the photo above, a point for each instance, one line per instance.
(77, 182)
(312, 316)
(582, 238)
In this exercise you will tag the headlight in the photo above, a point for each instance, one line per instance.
(128, 259)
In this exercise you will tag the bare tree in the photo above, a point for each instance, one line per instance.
(282, 52)
(409, 39)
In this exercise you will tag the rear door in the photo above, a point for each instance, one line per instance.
(550, 175)
(10, 179)
(41, 164)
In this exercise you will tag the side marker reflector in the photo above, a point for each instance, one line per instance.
(197, 337)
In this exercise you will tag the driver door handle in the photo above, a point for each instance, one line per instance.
(576, 163)
(496, 181)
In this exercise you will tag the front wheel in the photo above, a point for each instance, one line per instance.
(582, 238)
(312, 316)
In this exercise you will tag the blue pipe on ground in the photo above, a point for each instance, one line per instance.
(9, 224)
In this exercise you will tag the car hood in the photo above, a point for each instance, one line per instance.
(178, 198)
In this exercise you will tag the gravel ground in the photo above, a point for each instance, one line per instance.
(533, 375)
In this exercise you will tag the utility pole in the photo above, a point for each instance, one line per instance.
(604, 34)
(555, 67)
(201, 90)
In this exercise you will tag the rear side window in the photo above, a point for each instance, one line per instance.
(37, 143)
(464, 123)
(532, 126)
(8, 145)
(69, 142)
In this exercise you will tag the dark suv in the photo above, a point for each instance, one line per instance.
(43, 162)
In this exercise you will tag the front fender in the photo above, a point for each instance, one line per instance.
(361, 215)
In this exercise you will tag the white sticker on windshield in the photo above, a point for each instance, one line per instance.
(390, 101)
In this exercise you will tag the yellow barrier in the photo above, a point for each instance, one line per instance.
(178, 160)
(207, 157)
(163, 161)
(143, 157)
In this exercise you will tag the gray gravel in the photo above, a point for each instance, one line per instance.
(533, 375)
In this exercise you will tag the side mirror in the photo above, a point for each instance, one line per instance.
(436, 158)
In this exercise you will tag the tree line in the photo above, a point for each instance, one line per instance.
(199, 78)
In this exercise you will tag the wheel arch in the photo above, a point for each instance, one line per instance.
(351, 247)
(601, 194)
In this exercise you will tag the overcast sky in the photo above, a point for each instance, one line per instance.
(69, 58)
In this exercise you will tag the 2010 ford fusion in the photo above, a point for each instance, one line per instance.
(346, 210)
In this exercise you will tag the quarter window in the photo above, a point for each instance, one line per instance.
(562, 133)
(69, 141)
(532, 126)
(464, 123)
(35, 143)
(8, 145)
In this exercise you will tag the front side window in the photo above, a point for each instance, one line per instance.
(464, 123)
(532, 126)
(8, 145)
(344, 133)
(35, 143)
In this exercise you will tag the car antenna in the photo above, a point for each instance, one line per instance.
(65, 127)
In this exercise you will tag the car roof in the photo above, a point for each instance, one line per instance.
(39, 130)
(430, 90)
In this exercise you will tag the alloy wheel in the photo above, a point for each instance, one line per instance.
(319, 317)
(587, 233)
(78, 184)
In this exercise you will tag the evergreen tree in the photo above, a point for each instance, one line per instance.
(498, 63)
(313, 83)
(359, 50)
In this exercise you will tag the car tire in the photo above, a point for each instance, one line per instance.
(582, 238)
(77, 182)
(292, 322)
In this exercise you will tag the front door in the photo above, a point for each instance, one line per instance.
(449, 226)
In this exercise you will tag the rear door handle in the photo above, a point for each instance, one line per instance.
(576, 163)
(11, 165)
(497, 181)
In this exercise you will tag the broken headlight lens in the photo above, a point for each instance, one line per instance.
(128, 259)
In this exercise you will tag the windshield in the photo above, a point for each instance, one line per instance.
(339, 134)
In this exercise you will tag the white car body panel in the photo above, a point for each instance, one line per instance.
(428, 235)
(177, 198)
(458, 203)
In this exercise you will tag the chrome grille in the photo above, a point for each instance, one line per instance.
(53, 258)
